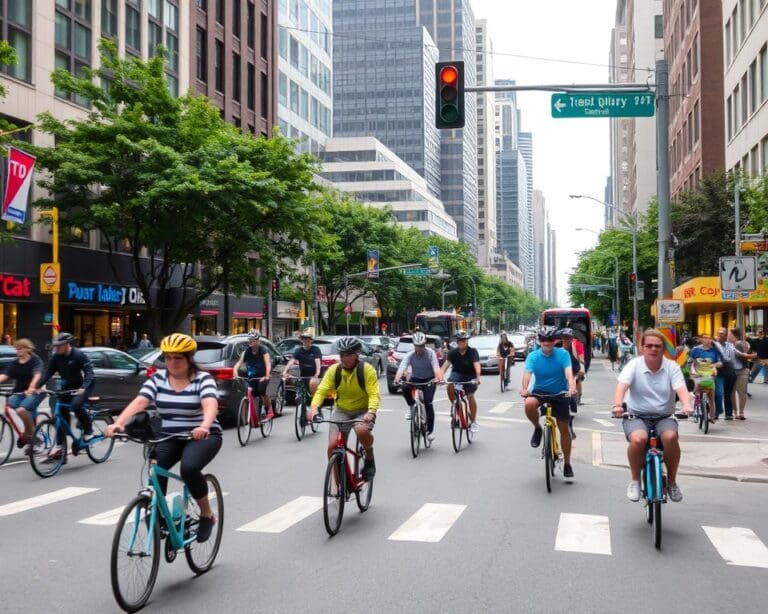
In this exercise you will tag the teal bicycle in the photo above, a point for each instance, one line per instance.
(47, 456)
(300, 413)
(147, 520)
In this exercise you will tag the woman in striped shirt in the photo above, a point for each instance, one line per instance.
(187, 401)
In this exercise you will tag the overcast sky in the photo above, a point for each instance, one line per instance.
(558, 42)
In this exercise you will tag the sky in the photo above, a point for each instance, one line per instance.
(558, 42)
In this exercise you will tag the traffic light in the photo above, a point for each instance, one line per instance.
(632, 284)
(449, 107)
(275, 289)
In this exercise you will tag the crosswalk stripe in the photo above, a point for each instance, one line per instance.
(429, 524)
(738, 546)
(52, 497)
(501, 408)
(604, 422)
(110, 517)
(583, 533)
(285, 517)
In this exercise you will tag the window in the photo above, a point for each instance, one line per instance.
(251, 99)
(744, 100)
(201, 55)
(16, 28)
(695, 56)
(696, 122)
(264, 36)
(752, 87)
(764, 153)
(72, 39)
(658, 26)
(264, 95)
(109, 18)
(763, 74)
(133, 29)
(729, 116)
(236, 18)
(251, 24)
(236, 76)
(282, 89)
(220, 11)
(728, 50)
(202, 4)
(219, 66)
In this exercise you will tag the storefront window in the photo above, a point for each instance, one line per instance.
(204, 325)
(8, 320)
(244, 325)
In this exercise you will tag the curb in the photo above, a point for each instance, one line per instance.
(715, 476)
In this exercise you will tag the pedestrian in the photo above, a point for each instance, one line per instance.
(741, 369)
(145, 343)
(613, 349)
(759, 346)
(7, 339)
(726, 375)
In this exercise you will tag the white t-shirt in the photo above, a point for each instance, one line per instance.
(651, 393)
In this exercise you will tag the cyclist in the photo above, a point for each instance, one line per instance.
(465, 366)
(705, 360)
(258, 367)
(76, 373)
(577, 363)
(652, 382)
(625, 349)
(505, 352)
(308, 357)
(424, 367)
(187, 402)
(25, 370)
(352, 401)
(548, 371)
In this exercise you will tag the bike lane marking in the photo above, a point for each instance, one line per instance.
(284, 517)
(738, 546)
(430, 523)
(501, 408)
(52, 497)
(110, 517)
(586, 533)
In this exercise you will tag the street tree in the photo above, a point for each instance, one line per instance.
(200, 205)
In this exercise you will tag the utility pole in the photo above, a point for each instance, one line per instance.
(662, 178)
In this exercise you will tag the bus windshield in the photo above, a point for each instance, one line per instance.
(580, 320)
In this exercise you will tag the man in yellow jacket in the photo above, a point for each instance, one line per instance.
(356, 385)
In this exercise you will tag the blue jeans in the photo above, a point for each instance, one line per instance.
(19, 400)
(756, 369)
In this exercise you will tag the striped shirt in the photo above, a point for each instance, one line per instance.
(180, 411)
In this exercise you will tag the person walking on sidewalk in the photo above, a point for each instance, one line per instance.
(760, 347)
(726, 375)
(742, 356)
(651, 382)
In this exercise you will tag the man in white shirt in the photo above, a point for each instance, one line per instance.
(651, 382)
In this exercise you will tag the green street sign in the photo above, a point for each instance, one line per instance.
(603, 104)
(591, 287)
(417, 272)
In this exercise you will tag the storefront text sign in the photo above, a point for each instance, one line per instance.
(14, 287)
(103, 294)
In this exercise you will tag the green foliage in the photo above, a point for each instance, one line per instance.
(755, 212)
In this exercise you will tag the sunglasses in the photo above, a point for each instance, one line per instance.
(653, 346)
(542, 340)
(174, 357)
(342, 354)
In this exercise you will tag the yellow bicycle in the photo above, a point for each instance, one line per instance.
(550, 451)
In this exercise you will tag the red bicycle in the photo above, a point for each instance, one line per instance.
(461, 420)
(10, 430)
(249, 415)
(344, 476)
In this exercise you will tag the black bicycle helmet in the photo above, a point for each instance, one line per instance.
(63, 338)
(349, 344)
(461, 334)
(548, 333)
(566, 332)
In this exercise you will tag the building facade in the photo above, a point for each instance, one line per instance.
(693, 45)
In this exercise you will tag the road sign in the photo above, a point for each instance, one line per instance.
(738, 273)
(373, 264)
(348, 309)
(591, 287)
(433, 256)
(50, 277)
(603, 104)
(417, 272)
(670, 311)
(611, 319)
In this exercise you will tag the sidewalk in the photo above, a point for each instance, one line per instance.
(733, 450)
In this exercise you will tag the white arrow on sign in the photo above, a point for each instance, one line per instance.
(738, 273)
(559, 105)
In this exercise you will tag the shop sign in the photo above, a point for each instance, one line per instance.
(287, 309)
(103, 294)
(15, 287)
(670, 311)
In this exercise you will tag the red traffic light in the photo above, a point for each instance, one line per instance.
(449, 75)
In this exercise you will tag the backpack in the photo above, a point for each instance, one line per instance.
(360, 375)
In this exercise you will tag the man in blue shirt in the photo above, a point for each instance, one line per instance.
(550, 369)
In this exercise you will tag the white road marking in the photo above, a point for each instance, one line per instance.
(285, 517)
(603, 422)
(597, 449)
(501, 408)
(52, 497)
(110, 517)
(429, 524)
(583, 533)
(738, 546)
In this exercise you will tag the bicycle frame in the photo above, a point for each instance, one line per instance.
(551, 423)
(463, 402)
(654, 457)
(341, 447)
(8, 413)
(64, 424)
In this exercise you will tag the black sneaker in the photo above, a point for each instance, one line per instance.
(204, 528)
(536, 437)
(567, 471)
(21, 442)
(369, 469)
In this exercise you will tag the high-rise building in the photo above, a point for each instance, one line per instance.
(540, 240)
(486, 150)
(525, 144)
(384, 81)
(746, 86)
(304, 94)
(693, 44)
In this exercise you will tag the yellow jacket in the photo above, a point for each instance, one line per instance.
(349, 396)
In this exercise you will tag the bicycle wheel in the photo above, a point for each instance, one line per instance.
(200, 556)
(135, 556)
(266, 426)
(334, 489)
(705, 411)
(44, 441)
(7, 439)
(656, 486)
(365, 489)
(503, 380)
(300, 419)
(699, 414)
(468, 421)
(278, 403)
(244, 422)
(456, 430)
(549, 460)
(101, 448)
(415, 430)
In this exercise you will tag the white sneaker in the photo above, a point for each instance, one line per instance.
(430, 436)
(633, 491)
(474, 427)
(408, 414)
(674, 492)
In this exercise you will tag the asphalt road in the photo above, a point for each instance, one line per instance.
(474, 531)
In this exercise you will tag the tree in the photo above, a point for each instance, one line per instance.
(199, 202)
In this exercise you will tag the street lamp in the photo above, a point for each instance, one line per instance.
(452, 280)
(631, 221)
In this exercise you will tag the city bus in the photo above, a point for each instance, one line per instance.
(441, 323)
(580, 320)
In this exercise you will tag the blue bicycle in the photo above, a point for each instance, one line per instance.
(48, 456)
(147, 520)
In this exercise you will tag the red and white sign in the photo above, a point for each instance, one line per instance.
(348, 309)
(321, 296)
(384, 326)
(20, 165)
(49, 276)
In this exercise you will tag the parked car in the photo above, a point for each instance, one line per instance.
(380, 342)
(330, 351)
(7, 355)
(486, 348)
(287, 346)
(404, 345)
(139, 353)
(119, 376)
(218, 356)
(521, 346)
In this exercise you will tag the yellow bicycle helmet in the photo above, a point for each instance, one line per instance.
(178, 343)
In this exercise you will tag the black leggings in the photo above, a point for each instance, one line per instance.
(76, 405)
(429, 394)
(194, 455)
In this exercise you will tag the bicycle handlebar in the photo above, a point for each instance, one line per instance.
(127, 437)
(545, 397)
(680, 415)
(58, 393)
(419, 384)
(470, 381)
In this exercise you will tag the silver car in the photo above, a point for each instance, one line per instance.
(486, 348)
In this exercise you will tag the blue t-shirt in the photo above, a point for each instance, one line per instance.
(699, 353)
(549, 371)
